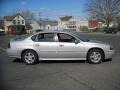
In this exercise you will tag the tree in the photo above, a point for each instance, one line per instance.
(25, 13)
(118, 23)
(104, 10)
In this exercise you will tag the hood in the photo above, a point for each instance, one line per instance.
(96, 41)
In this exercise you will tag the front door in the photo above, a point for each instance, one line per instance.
(67, 48)
(47, 45)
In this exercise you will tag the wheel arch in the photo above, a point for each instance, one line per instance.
(27, 50)
(98, 49)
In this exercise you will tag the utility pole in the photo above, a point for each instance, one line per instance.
(40, 19)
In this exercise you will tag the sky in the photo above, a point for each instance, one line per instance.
(47, 8)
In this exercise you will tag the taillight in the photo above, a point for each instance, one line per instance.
(8, 45)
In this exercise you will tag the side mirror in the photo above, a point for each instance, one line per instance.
(77, 41)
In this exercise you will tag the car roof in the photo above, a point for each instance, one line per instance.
(53, 31)
(56, 31)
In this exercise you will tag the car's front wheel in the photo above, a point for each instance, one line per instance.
(95, 56)
(30, 57)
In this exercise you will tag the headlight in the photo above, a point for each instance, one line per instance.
(111, 47)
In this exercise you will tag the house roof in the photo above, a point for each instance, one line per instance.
(48, 22)
(2, 21)
(65, 18)
(10, 18)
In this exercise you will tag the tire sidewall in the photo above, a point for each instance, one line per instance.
(35, 55)
(95, 50)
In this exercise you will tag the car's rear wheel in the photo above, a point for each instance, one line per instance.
(30, 57)
(95, 56)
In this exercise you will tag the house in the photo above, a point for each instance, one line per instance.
(14, 24)
(48, 25)
(2, 24)
(34, 25)
(82, 25)
(95, 24)
(67, 23)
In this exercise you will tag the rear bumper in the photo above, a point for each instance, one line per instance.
(13, 53)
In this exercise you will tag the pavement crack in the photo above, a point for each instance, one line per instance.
(74, 79)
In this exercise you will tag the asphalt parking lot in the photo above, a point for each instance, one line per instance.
(61, 75)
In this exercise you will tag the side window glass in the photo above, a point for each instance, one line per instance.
(34, 38)
(46, 37)
(65, 38)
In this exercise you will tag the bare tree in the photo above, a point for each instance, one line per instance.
(118, 22)
(104, 10)
(25, 13)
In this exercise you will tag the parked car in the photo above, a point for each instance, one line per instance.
(2, 32)
(58, 45)
(39, 30)
(110, 30)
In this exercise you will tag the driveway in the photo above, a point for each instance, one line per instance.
(61, 75)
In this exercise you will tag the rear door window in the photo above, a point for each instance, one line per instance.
(46, 37)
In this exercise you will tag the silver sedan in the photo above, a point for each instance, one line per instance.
(58, 45)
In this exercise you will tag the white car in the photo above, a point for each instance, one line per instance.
(58, 45)
(2, 32)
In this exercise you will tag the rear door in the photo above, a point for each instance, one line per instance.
(46, 45)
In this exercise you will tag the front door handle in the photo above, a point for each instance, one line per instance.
(37, 45)
(61, 45)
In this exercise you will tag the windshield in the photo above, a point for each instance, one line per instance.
(78, 35)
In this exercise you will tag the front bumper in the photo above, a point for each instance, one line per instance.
(109, 54)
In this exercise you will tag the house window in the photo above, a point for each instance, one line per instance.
(17, 16)
(14, 22)
(22, 21)
(48, 27)
(18, 21)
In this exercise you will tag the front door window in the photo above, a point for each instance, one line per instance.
(67, 47)
(65, 38)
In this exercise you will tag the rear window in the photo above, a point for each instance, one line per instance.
(34, 38)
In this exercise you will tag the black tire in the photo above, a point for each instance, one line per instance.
(30, 57)
(95, 56)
